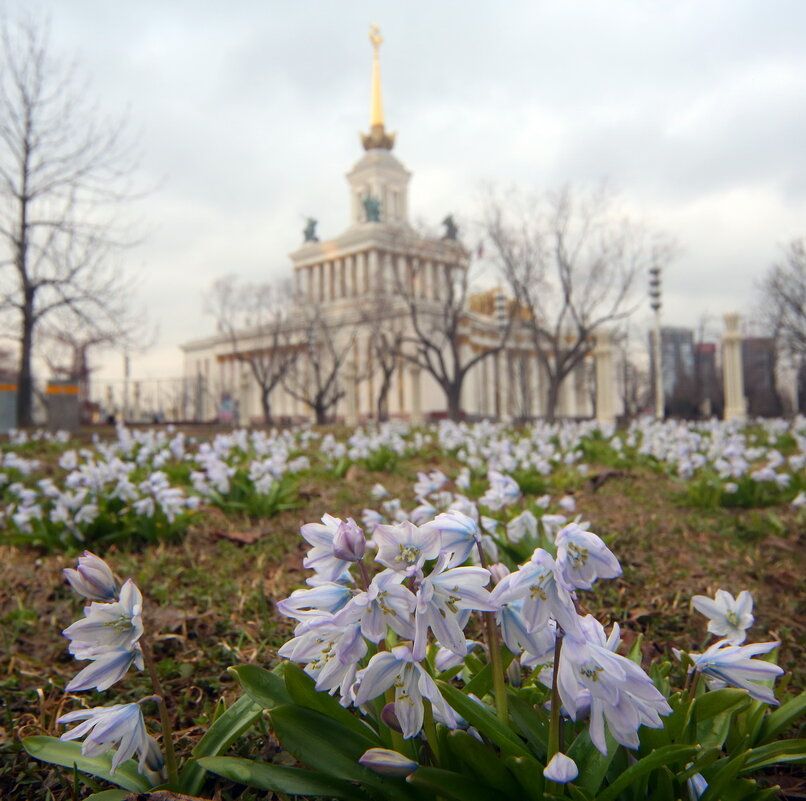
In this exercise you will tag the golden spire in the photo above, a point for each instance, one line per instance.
(377, 137)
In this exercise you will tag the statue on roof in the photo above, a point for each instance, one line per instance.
(451, 229)
(372, 208)
(309, 232)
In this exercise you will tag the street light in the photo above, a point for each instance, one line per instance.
(655, 304)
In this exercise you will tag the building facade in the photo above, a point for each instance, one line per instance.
(382, 282)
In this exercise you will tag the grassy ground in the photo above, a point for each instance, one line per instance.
(210, 597)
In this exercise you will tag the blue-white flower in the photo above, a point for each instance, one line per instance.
(444, 599)
(503, 491)
(120, 726)
(321, 558)
(459, 534)
(385, 603)
(398, 668)
(728, 617)
(522, 525)
(543, 595)
(621, 694)
(561, 769)
(582, 557)
(108, 666)
(327, 597)
(406, 547)
(92, 578)
(387, 763)
(734, 664)
(113, 626)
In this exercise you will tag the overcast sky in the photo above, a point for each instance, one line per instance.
(248, 116)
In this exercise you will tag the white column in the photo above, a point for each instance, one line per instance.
(605, 383)
(735, 403)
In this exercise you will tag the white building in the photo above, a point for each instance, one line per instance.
(381, 279)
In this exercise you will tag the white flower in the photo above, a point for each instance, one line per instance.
(561, 769)
(92, 578)
(734, 664)
(728, 617)
(121, 725)
(406, 547)
(582, 557)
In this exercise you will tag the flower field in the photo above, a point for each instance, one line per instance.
(462, 533)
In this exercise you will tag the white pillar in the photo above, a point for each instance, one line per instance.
(735, 404)
(605, 383)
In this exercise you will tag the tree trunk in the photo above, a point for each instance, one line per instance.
(453, 394)
(320, 411)
(553, 398)
(25, 383)
(266, 406)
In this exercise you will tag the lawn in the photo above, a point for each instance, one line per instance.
(213, 563)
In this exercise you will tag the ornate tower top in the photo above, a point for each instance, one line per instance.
(377, 136)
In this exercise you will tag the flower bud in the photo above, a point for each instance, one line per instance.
(389, 717)
(349, 541)
(498, 570)
(561, 769)
(92, 578)
(388, 763)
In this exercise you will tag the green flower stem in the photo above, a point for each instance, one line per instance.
(365, 579)
(496, 663)
(165, 720)
(555, 721)
(430, 729)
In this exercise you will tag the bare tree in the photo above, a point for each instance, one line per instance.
(63, 174)
(783, 301)
(254, 317)
(571, 261)
(439, 315)
(316, 377)
(386, 325)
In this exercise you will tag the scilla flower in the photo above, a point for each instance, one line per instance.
(734, 664)
(398, 668)
(582, 557)
(406, 547)
(120, 726)
(561, 769)
(92, 578)
(728, 617)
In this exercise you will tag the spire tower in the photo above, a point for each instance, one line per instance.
(377, 136)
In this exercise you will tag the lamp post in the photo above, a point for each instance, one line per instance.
(655, 304)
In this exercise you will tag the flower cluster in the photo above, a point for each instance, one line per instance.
(109, 637)
(366, 636)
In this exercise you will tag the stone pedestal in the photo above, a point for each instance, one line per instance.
(63, 406)
(605, 383)
(732, 376)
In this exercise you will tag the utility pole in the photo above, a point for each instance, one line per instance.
(655, 304)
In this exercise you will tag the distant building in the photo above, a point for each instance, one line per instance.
(758, 366)
(678, 368)
(708, 382)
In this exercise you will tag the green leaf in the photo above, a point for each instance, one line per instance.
(662, 756)
(782, 718)
(776, 753)
(484, 720)
(482, 682)
(226, 729)
(326, 746)
(722, 776)
(68, 753)
(447, 784)
(302, 689)
(592, 764)
(529, 773)
(482, 762)
(714, 703)
(532, 722)
(263, 686)
(281, 779)
(108, 795)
